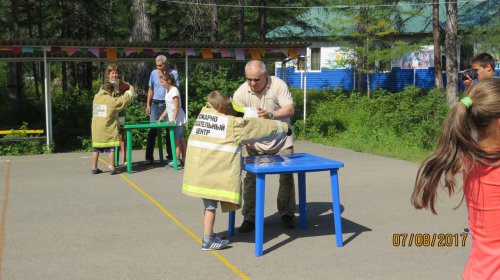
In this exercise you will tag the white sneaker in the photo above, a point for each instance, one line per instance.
(171, 164)
(215, 243)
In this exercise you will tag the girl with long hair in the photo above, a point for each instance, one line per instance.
(470, 144)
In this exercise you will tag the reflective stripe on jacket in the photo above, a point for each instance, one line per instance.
(213, 158)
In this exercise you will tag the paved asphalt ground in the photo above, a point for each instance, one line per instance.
(61, 222)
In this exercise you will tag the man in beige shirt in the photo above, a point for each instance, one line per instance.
(270, 97)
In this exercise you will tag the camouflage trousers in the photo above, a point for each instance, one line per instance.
(286, 192)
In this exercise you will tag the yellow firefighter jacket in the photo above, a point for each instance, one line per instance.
(213, 158)
(105, 124)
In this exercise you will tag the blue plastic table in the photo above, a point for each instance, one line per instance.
(293, 163)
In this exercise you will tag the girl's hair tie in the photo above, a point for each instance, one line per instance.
(467, 101)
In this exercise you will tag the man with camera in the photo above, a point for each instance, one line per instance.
(482, 68)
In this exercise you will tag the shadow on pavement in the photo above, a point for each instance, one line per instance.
(140, 166)
(319, 223)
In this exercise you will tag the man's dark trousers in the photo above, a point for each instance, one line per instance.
(157, 108)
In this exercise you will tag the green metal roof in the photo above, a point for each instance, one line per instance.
(470, 14)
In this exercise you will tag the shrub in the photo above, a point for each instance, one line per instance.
(404, 125)
(202, 82)
(71, 118)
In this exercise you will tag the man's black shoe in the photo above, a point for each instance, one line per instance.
(287, 221)
(246, 227)
(96, 171)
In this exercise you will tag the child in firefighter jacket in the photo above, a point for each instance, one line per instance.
(105, 125)
(213, 159)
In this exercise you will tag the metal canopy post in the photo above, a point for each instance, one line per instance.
(414, 76)
(48, 101)
(305, 84)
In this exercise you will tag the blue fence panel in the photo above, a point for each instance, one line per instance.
(399, 79)
(393, 81)
(424, 78)
(326, 78)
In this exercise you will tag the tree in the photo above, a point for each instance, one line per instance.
(262, 20)
(241, 22)
(141, 32)
(14, 68)
(370, 32)
(214, 30)
(438, 76)
(486, 33)
(198, 23)
(451, 52)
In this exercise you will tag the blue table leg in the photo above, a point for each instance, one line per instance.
(337, 219)
(259, 214)
(230, 226)
(302, 200)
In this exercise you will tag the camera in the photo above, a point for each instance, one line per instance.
(120, 87)
(116, 85)
(471, 72)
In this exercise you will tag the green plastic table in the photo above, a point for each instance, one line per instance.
(147, 125)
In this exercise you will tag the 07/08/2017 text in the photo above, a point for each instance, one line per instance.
(429, 239)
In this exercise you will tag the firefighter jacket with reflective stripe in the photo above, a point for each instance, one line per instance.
(213, 158)
(105, 124)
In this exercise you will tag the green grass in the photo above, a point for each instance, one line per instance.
(389, 147)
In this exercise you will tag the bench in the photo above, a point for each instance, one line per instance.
(22, 131)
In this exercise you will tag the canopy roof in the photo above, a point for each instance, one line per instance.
(94, 50)
(18, 50)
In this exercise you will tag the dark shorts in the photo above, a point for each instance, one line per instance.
(179, 132)
(104, 150)
(210, 204)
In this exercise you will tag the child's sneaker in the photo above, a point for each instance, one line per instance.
(179, 164)
(215, 243)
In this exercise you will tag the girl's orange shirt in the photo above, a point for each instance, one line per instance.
(482, 194)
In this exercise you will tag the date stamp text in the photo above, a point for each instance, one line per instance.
(429, 239)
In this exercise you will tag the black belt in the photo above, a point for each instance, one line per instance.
(155, 101)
